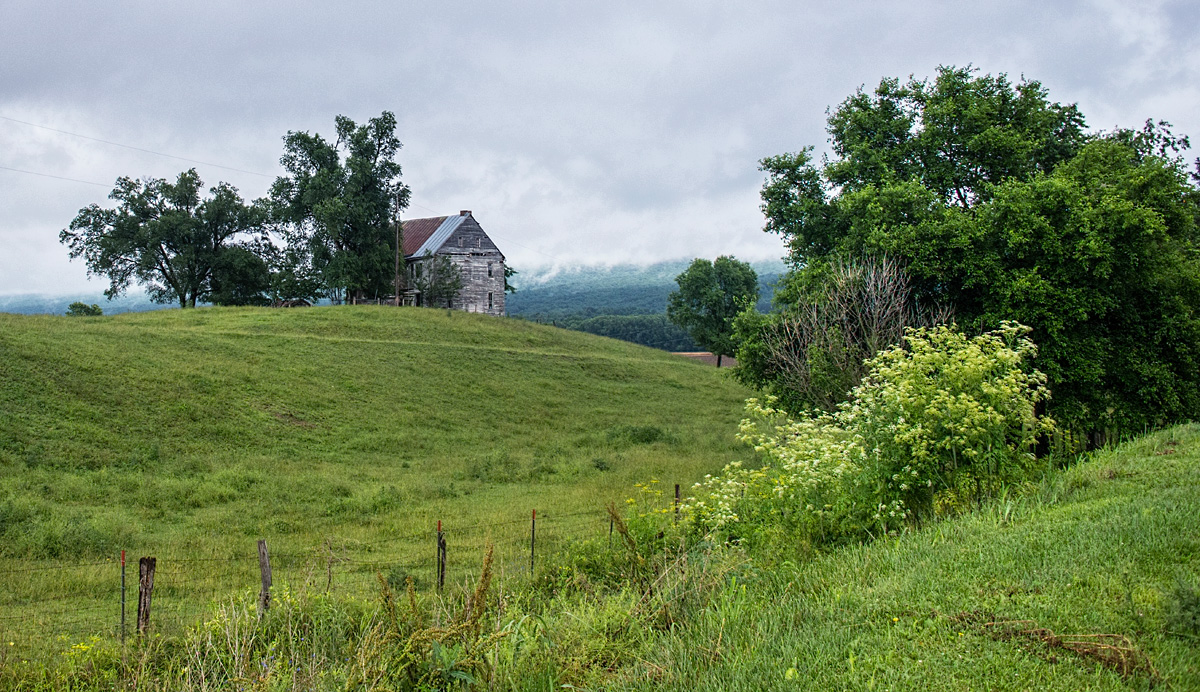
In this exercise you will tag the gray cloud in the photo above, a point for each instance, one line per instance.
(593, 133)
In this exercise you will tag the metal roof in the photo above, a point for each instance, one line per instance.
(440, 236)
(429, 234)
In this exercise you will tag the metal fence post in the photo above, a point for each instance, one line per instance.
(122, 596)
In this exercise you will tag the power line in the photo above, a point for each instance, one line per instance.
(492, 233)
(56, 177)
(203, 163)
(133, 148)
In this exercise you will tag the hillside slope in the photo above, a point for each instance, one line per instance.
(1021, 595)
(342, 435)
(320, 407)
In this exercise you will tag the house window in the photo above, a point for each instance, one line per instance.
(489, 300)
(489, 270)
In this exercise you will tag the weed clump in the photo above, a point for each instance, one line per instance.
(637, 434)
(1183, 611)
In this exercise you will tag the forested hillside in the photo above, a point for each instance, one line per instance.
(626, 302)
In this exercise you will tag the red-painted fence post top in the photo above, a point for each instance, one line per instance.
(535, 514)
(122, 557)
(439, 525)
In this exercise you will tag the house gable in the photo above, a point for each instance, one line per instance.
(466, 237)
(477, 258)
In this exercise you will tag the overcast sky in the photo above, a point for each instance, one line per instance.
(578, 133)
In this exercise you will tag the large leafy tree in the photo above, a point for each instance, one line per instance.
(242, 276)
(163, 236)
(293, 277)
(1001, 206)
(710, 295)
(340, 199)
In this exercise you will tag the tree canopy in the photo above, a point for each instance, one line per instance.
(710, 295)
(340, 200)
(438, 280)
(81, 309)
(1002, 207)
(161, 235)
(241, 276)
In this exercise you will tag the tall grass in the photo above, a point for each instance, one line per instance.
(1072, 585)
(341, 434)
(982, 601)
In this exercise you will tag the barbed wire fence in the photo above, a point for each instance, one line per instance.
(48, 607)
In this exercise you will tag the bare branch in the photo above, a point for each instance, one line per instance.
(819, 348)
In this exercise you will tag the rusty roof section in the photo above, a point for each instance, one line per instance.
(417, 231)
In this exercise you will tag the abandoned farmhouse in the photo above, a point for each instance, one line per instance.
(432, 244)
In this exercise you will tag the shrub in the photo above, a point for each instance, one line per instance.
(817, 350)
(78, 309)
(941, 418)
(949, 413)
(1183, 611)
(636, 434)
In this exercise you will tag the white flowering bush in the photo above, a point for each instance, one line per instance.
(942, 416)
(949, 412)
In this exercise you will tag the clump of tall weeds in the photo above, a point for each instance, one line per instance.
(409, 648)
(598, 608)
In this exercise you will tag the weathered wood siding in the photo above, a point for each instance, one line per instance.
(482, 267)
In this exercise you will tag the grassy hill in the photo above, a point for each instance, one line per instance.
(341, 434)
(1087, 581)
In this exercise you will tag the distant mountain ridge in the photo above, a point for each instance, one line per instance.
(624, 289)
(582, 291)
(47, 304)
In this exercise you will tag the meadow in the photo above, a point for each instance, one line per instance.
(342, 435)
(1085, 580)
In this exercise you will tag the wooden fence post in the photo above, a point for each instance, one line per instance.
(532, 540)
(329, 564)
(145, 587)
(441, 557)
(676, 503)
(264, 568)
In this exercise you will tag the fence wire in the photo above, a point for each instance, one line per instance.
(52, 607)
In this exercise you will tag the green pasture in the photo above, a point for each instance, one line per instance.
(339, 434)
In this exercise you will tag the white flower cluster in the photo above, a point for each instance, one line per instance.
(804, 462)
(940, 410)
